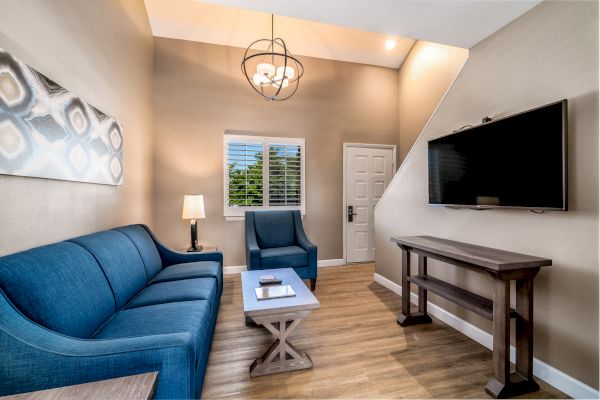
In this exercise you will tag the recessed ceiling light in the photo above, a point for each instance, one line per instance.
(390, 44)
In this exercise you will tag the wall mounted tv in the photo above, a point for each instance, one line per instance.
(518, 161)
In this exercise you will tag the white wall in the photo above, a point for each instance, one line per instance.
(548, 54)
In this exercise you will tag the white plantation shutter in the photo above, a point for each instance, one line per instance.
(263, 173)
(245, 174)
(285, 175)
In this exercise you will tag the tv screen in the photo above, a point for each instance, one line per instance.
(517, 161)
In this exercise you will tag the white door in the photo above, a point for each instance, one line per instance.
(369, 170)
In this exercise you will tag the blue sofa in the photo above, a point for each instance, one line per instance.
(276, 239)
(105, 305)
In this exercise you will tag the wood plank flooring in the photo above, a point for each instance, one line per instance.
(356, 346)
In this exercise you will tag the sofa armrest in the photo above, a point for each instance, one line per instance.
(171, 257)
(252, 249)
(34, 358)
(303, 242)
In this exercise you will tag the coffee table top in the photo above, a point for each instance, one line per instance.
(304, 299)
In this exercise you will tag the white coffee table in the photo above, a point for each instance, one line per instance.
(280, 317)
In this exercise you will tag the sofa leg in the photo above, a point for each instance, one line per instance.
(313, 284)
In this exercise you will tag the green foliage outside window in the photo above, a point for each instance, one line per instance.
(245, 170)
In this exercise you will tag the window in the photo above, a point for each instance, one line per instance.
(263, 173)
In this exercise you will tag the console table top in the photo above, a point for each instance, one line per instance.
(486, 257)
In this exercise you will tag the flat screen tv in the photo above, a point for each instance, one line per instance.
(519, 161)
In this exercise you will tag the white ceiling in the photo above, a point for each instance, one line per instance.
(461, 23)
(217, 24)
(346, 30)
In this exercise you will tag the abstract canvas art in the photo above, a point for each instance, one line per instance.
(48, 132)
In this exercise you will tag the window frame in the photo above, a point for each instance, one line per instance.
(237, 212)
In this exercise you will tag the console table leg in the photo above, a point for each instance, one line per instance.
(405, 283)
(504, 384)
(406, 318)
(524, 332)
(498, 385)
(422, 291)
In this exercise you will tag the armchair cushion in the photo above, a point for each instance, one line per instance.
(174, 291)
(283, 257)
(274, 229)
(199, 269)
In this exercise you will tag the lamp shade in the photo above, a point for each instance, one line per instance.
(193, 207)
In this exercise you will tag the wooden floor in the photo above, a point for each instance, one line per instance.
(358, 349)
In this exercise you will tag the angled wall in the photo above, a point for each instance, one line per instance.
(548, 54)
(423, 78)
(102, 53)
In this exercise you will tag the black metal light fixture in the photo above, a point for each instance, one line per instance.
(272, 71)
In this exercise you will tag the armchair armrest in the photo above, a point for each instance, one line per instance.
(252, 249)
(171, 257)
(34, 358)
(303, 242)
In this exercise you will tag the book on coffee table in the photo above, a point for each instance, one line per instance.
(274, 292)
(268, 280)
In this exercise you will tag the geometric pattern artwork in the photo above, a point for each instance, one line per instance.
(48, 132)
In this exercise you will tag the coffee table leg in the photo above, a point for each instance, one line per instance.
(281, 356)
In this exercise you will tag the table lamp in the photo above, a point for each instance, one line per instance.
(193, 209)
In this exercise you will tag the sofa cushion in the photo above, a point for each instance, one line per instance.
(146, 247)
(283, 257)
(274, 229)
(174, 291)
(59, 286)
(188, 317)
(199, 269)
(121, 262)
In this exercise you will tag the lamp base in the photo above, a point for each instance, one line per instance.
(194, 249)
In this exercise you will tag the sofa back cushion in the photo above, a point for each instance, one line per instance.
(59, 286)
(274, 229)
(146, 247)
(120, 261)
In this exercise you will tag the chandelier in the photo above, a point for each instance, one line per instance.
(272, 71)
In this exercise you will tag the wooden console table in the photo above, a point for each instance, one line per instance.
(503, 266)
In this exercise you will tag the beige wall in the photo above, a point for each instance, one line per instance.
(200, 93)
(423, 78)
(548, 54)
(102, 53)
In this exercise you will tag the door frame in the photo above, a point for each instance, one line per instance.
(345, 147)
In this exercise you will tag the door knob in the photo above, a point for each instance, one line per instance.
(351, 213)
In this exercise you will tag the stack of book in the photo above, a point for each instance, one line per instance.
(268, 280)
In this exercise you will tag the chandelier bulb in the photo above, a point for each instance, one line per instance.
(289, 72)
(266, 69)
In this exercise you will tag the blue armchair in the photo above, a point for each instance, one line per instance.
(276, 239)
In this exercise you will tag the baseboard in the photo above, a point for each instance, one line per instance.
(236, 269)
(563, 382)
(336, 262)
